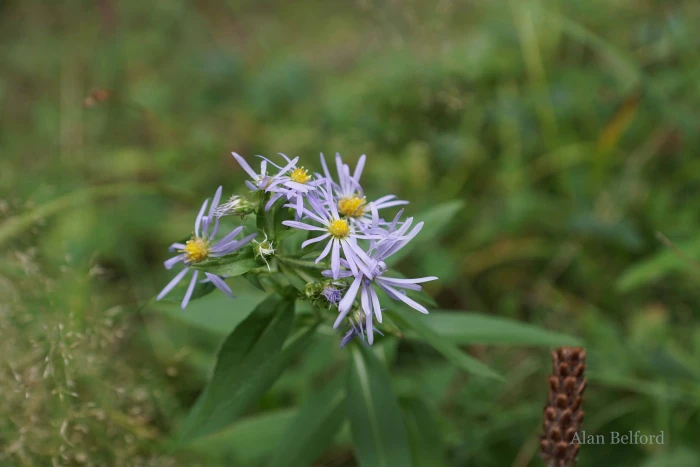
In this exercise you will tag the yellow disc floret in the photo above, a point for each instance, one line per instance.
(352, 206)
(339, 228)
(300, 175)
(196, 249)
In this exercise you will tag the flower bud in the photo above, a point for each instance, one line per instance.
(236, 206)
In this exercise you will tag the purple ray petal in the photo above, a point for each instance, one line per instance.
(375, 303)
(408, 301)
(390, 204)
(215, 202)
(346, 303)
(190, 289)
(341, 274)
(325, 167)
(229, 236)
(369, 326)
(396, 220)
(296, 186)
(364, 301)
(289, 166)
(359, 167)
(325, 251)
(402, 282)
(335, 258)
(244, 165)
(384, 198)
(302, 226)
(198, 221)
(300, 206)
(355, 262)
(172, 283)
(329, 200)
(233, 245)
(314, 240)
(216, 227)
(272, 201)
(176, 246)
(339, 167)
(220, 284)
(384, 280)
(173, 261)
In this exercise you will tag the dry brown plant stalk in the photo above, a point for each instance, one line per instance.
(563, 415)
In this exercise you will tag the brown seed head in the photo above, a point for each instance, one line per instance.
(562, 417)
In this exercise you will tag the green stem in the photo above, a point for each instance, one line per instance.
(261, 215)
(303, 264)
(304, 275)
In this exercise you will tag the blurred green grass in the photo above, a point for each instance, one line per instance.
(568, 130)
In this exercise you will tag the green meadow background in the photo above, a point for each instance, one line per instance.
(551, 146)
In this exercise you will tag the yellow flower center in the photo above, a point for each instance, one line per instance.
(352, 206)
(196, 249)
(339, 228)
(300, 175)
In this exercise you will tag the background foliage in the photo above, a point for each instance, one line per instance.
(564, 134)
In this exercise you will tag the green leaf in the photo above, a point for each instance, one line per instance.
(313, 428)
(378, 431)
(216, 313)
(409, 319)
(248, 440)
(658, 266)
(254, 280)
(227, 266)
(293, 278)
(247, 364)
(463, 328)
(436, 220)
(423, 433)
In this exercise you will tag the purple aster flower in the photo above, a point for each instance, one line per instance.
(263, 181)
(341, 234)
(365, 285)
(200, 247)
(357, 329)
(349, 195)
(294, 185)
(332, 294)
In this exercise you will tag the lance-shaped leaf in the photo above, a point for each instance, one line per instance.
(215, 313)
(436, 219)
(311, 431)
(293, 278)
(248, 363)
(410, 320)
(248, 440)
(378, 430)
(227, 266)
(423, 433)
(461, 327)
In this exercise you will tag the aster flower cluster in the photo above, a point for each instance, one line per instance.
(349, 239)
